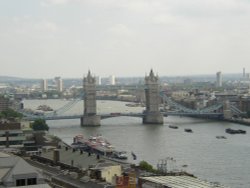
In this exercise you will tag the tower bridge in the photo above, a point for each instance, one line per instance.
(151, 114)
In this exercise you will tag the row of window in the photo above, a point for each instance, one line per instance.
(23, 182)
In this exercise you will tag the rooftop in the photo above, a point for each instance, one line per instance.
(181, 182)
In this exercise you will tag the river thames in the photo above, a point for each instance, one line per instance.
(226, 161)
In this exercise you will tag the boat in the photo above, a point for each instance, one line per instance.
(94, 144)
(233, 131)
(188, 130)
(120, 155)
(221, 137)
(44, 108)
(173, 126)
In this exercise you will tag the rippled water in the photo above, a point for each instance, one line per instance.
(216, 160)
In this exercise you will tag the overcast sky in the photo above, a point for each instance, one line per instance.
(48, 38)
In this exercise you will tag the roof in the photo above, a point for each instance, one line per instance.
(11, 165)
(181, 182)
(35, 186)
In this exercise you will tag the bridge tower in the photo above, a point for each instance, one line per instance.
(89, 117)
(152, 114)
(227, 110)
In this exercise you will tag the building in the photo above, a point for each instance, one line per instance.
(15, 172)
(218, 79)
(4, 103)
(106, 171)
(59, 84)
(44, 85)
(98, 80)
(112, 80)
(11, 135)
(175, 182)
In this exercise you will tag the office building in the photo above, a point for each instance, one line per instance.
(4, 103)
(11, 135)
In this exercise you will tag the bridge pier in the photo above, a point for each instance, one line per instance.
(92, 120)
(153, 118)
(152, 114)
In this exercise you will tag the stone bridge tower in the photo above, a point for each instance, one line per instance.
(152, 114)
(226, 110)
(89, 88)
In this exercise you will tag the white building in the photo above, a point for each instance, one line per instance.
(59, 84)
(44, 85)
(98, 80)
(218, 79)
(112, 80)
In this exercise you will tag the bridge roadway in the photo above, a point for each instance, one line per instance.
(111, 115)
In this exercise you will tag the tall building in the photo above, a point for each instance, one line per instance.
(98, 80)
(244, 73)
(4, 103)
(218, 79)
(59, 84)
(44, 85)
(112, 80)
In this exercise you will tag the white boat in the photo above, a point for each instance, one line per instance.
(95, 144)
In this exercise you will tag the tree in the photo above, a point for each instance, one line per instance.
(146, 166)
(40, 125)
(10, 113)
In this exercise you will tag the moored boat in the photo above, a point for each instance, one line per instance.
(221, 137)
(233, 131)
(188, 130)
(173, 127)
(94, 144)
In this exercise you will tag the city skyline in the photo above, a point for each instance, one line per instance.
(44, 38)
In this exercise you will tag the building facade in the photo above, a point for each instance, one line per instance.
(44, 85)
(4, 103)
(11, 135)
(59, 84)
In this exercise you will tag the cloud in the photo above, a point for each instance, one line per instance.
(164, 19)
(46, 26)
(46, 3)
(120, 30)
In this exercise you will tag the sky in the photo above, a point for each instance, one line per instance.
(125, 38)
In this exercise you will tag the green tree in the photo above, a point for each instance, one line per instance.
(10, 113)
(40, 125)
(146, 166)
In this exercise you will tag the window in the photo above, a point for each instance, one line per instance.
(20, 182)
(31, 181)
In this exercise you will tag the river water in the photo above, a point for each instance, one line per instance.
(226, 161)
